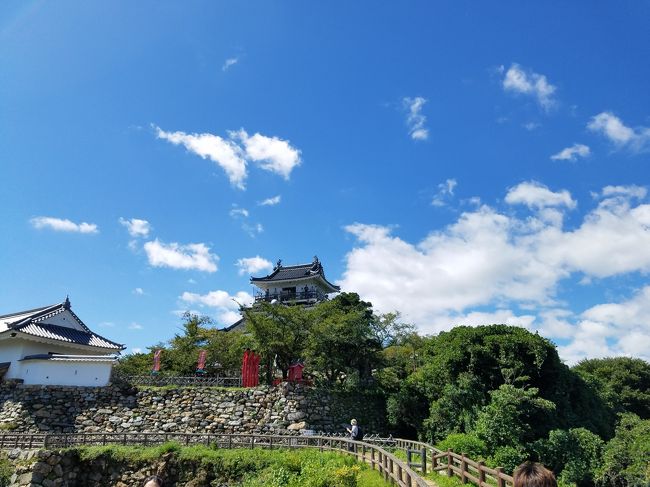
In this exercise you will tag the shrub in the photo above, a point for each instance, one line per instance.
(625, 458)
(466, 443)
(6, 471)
(574, 455)
(508, 457)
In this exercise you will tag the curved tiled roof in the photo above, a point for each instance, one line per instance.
(65, 334)
(295, 272)
(30, 323)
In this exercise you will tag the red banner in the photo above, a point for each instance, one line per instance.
(202, 357)
(156, 360)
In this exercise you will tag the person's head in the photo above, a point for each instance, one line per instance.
(531, 474)
(153, 481)
(353, 422)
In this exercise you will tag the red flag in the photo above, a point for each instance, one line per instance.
(156, 360)
(244, 368)
(202, 357)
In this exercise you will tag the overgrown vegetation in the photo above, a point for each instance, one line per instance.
(6, 471)
(497, 392)
(249, 468)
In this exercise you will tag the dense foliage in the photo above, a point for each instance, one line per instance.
(248, 468)
(499, 393)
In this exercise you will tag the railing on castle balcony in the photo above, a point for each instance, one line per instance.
(285, 296)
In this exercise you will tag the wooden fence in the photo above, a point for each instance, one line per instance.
(197, 381)
(389, 466)
(426, 458)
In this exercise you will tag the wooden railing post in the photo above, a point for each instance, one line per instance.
(434, 460)
(423, 455)
(500, 481)
(481, 474)
(409, 455)
(463, 468)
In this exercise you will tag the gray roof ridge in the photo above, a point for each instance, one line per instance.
(33, 311)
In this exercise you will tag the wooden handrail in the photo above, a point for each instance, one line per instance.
(455, 464)
(392, 468)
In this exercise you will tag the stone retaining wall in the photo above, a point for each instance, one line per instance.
(281, 409)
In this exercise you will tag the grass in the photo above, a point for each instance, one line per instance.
(252, 468)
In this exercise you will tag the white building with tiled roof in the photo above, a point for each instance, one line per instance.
(52, 346)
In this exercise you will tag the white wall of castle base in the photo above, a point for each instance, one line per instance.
(47, 372)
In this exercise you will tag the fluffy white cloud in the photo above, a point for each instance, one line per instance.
(445, 191)
(136, 227)
(490, 259)
(520, 80)
(135, 326)
(632, 191)
(273, 154)
(63, 225)
(536, 195)
(613, 128)
(191, 256)
(226, 305)
(414, 118)
(572, 153)
(138, 291)
(275, 200)
(225, 153)
(228, 63)
(252, 265)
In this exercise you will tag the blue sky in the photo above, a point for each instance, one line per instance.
(461, 162)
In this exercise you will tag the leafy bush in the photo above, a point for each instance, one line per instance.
(573, 455)
(508, 457)
(6, 471)
(625, 458)
(466, 443)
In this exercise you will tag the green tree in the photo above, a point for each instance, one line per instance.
(345, 339)
(574, 455)
(626, 458)
(508, 418)
(623, 382)
(279, 332)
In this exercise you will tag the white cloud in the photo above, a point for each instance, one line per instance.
(225, 153)
(138, 291)
(136, 227)
(228, 63)
(520, 80)
(226, 305)
(572, 153)
(489, 259)
(271, 201)
(191, 256)
(107, 324)
(536, 195)
(414, 119)
(252, 229)
(530, 126)
(631, 191)
(63, 225)
(272, 153)
(136, 350)
(135, 326)
(239, 213)
(613, 128)
(445, 191)
(252, 265)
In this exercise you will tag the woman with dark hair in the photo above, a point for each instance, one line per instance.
(531, 474)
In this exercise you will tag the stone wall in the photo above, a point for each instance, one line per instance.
(281, 409)
(65, 468)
